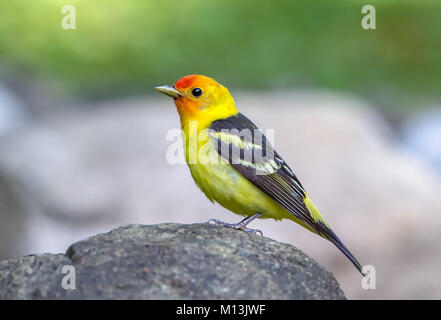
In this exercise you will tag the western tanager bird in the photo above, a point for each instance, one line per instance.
(232, 162)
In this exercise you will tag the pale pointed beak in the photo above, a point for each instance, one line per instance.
(169, 91)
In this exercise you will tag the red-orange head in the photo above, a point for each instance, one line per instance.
(200, 98)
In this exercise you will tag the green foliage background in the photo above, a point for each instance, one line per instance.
(126, 47)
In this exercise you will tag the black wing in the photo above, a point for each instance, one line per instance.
(246, 148)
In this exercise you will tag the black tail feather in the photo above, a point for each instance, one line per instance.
(331, 236)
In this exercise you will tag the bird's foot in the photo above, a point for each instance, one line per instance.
(240, 225)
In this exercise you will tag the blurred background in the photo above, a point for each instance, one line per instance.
(357, 114)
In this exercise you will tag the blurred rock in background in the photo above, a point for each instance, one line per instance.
(12, 231)
(12, 236)
(12, 112)
(422, 136)
(81, 171)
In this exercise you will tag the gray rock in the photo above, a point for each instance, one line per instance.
(34, 277)
(171, 261)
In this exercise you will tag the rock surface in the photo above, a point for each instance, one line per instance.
(171, 261)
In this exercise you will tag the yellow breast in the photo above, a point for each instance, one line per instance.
(221, 183)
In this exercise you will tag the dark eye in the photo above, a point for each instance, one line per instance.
(196, 92)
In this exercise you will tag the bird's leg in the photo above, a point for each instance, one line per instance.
(240, 225)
